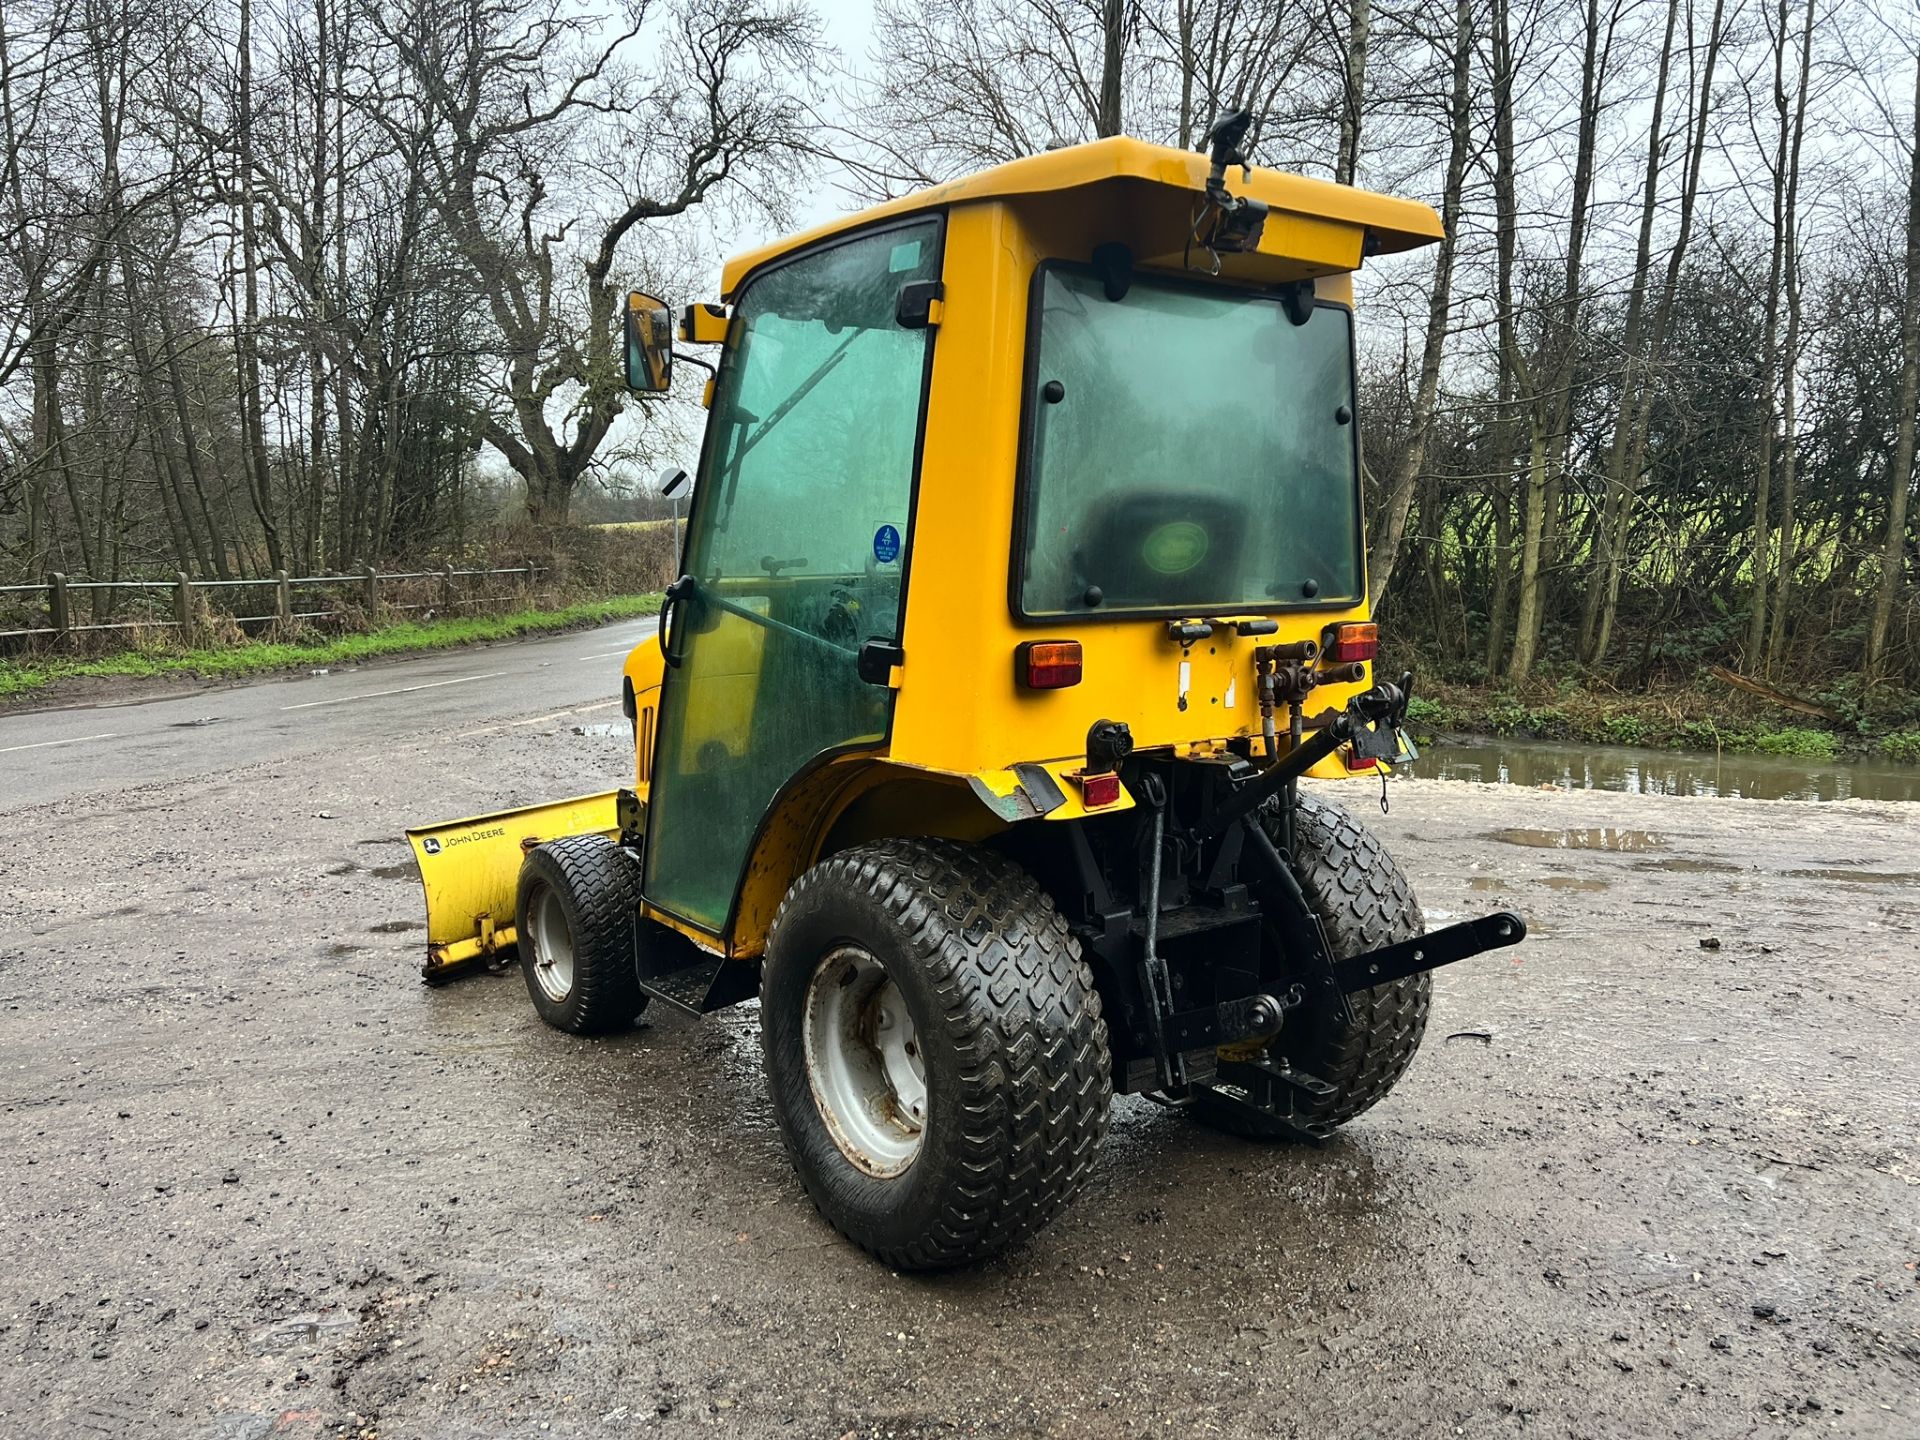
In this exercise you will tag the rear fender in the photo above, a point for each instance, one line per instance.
(847, 802)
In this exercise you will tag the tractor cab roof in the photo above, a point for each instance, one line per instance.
(1146, 195)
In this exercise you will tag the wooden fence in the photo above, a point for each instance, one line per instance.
(187, 605)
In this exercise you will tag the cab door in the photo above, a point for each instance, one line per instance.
(796, 554)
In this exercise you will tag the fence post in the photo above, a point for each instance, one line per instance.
(372, 579)
(183, 605)
(282, 598)
(446, 588)
(57, 610)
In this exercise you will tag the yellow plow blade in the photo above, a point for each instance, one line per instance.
(470, 870)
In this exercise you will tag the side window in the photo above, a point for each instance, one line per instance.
(817, 417)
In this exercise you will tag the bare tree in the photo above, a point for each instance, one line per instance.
(1390, 524)
(1636, 399)
(1893, 552)
(503, 94)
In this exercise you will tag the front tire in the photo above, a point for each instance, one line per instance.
(578, 904)
(934, 1049)
(1364, 901)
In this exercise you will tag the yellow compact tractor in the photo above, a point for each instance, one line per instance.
(1023, 583)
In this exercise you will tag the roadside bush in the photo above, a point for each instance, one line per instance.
(1806, 744)
(1507, 718)
(1903, 745)
(1624, 729)
(1697, 735)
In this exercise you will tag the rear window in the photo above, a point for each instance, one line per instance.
(1188, 449)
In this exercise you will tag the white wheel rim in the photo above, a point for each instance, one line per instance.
(552, 945)
(864, 1065)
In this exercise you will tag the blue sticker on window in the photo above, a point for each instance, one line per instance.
(886, 544)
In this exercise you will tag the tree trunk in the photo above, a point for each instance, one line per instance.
(1759, 557)
(1639, 405)
(1893, 554)
(1393, 526)
(1353, 90)
(1114, 48)
(1604, 588)
(253, 429)
(190, 444)
(1790, 360)
(1550, 410)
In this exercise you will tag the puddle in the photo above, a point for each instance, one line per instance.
(1683, 866)
(1564, 766)
(1487, 884)
(599, 730)
(383, 840)
(1573, 882)
(1860, 877)
(194, 724)
(396, 927)
(341, 947)
(1598, 837)
(346, 867)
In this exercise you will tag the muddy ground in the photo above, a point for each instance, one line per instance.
(262, 1182)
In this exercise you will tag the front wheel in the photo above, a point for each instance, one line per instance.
(1364, 902)
(578, 903)
(934, 1048)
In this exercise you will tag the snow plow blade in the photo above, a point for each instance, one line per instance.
(470, 870)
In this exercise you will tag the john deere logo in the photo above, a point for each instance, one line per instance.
(430, 845)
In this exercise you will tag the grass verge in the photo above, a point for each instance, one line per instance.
(262, 657)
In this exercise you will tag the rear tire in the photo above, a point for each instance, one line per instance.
(1003, 1032)
(1364, 901)
(579, 902)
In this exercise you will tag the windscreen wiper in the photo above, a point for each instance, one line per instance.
(785, 408)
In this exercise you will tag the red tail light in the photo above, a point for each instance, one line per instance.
(1353, 642)
(1357, 762)
(1047, 664)
(1098, 790)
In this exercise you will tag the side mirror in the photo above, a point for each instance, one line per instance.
(649, 345)
(674, 482)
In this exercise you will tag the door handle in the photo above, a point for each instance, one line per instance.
(681, 589)
(876, 660)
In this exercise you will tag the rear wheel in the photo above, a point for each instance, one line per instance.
(578, 904)
(1364, 901)
(934, 1049)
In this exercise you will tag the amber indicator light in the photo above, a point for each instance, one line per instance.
(1047, 664)
(1353, 642)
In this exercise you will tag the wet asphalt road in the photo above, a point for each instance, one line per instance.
(54, 754)
(261, 1182)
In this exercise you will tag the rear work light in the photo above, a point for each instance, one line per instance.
(1047, 664)
(1352, 642)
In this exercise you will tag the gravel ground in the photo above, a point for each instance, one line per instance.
(1655, 1173)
